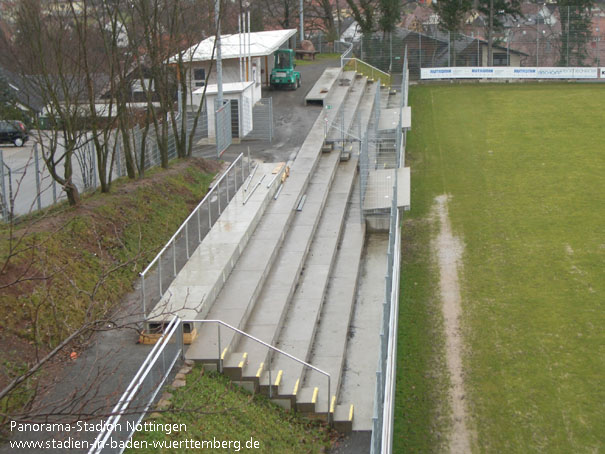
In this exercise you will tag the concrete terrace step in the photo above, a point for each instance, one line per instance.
(359, 377)
(297, 333)
(203, 276)
(239, 294)
(268, 313)
(332, 333)
(350, 108)
(267, 319)
(294, 338)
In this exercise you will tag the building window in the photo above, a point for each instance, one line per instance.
(199, 77)
(500, 60)
(142, 87)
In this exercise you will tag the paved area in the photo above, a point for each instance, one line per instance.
(292, 120)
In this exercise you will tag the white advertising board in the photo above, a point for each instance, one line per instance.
(602, 73)
(508, 72)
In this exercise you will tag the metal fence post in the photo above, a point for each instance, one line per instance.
(173, 258)
(160, 275)
(187, 239)
(118, 158)
(38, 189)
(3, 201)
(143, 294)
(199, 226)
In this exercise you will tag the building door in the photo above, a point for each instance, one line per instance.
(234, 117)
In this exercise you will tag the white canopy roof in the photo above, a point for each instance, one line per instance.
(232, 87)
(261, 43)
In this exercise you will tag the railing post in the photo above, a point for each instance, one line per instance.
(173, 258)
(143, 294)
(187, 239)
(220, 354)
(227, 178)
(329, 412)
(270, 382)
(199, 226)
(218, 195)
(181, 333)
(160, 275)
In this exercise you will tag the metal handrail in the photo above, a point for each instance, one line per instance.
(183, 226)
(208, 194)
(346, 53)
(134, 386)
(380, 73)
(269, 346)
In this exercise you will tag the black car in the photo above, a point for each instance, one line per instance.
(12, 131)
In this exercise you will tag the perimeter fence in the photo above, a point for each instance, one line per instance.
(543, 36)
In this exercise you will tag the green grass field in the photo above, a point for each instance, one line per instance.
(525, 167)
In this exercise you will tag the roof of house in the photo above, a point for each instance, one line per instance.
(261, 43)
(22, 90)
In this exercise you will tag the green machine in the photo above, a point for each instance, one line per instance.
(283, 74)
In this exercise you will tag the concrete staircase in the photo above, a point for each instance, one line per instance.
(294, 285)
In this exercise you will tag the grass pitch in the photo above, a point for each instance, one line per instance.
(525, 167)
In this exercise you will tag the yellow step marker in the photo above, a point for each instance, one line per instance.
(296, 387)
(278, 379)
(243, 361)
(333, 404)
(315, 393)
(260, 370)
(351, 413)
(224, 353)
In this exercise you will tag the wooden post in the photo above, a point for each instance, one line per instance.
(266, 70)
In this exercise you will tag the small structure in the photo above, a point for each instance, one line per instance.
(243, 66)
(306, 48)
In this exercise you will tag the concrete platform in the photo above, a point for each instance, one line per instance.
(379, 192)
(203, 276)
(389, 119)
(319, 92)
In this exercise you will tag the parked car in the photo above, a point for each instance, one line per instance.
(12, 131)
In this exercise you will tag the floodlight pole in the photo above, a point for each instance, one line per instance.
(302, 22)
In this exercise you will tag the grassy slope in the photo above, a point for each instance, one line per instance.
(228, 413)
(525, 167)
(75, 247)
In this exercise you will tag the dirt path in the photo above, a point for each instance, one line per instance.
(449, 253)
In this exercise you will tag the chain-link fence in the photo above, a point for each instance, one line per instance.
(543, 36)
(141, 392)
(26, 184)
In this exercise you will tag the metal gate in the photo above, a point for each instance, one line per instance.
(262, 120)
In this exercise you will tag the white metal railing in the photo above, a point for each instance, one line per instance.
(366, 69)
(140, 392)
(346, 54)
(220, 356)
(388, 411)
(195, 218)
